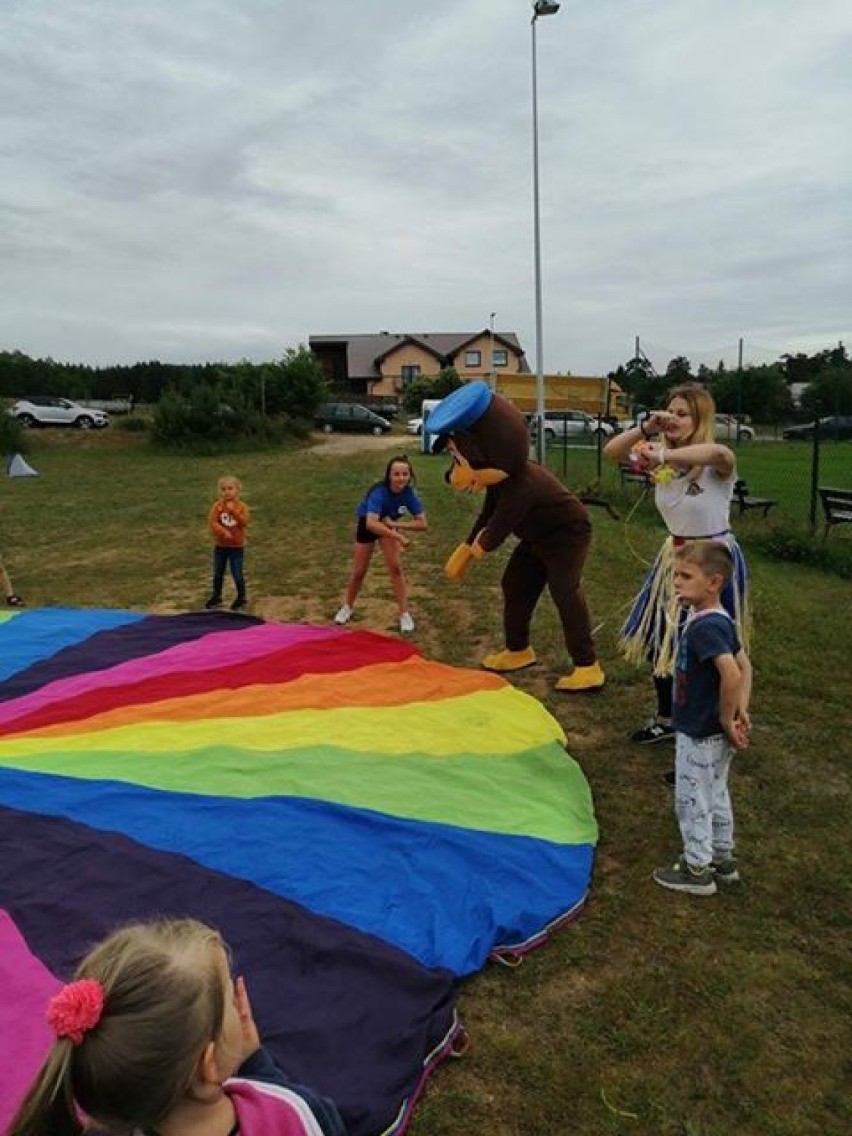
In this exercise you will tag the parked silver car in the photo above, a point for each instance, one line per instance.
(48, 410)
(559, 424)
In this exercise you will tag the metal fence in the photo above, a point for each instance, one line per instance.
(785, 472)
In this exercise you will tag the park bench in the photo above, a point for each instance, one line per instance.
(836, 505)
(745, 500)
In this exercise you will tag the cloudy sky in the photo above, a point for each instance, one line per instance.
(195, 180)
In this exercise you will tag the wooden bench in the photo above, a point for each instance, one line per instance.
(629, 473)
(836, 505)
(745, 500)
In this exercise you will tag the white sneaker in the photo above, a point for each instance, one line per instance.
(406, 623)
(344, 615)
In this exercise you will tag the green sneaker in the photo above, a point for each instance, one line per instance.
(725, 871)
(680, 877)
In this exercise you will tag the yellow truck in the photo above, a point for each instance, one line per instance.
(592, 393)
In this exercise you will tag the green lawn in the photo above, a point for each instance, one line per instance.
(781, 470)
(654, 1013)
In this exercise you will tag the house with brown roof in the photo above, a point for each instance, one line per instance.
(382, 365)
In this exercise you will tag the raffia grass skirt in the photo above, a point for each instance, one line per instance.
(652, 629)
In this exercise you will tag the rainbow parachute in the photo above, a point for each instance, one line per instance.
(364, 826)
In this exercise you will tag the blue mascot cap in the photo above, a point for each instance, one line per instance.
(460, 409)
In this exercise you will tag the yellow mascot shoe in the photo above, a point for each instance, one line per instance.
(583, 678)
(509, 660)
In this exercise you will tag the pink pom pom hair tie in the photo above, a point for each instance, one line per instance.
(76, 1009)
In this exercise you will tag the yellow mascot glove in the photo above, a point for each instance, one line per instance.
(459, 562)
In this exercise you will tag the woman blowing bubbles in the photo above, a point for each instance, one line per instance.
(694, 483)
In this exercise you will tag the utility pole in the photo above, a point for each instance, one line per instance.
(739, 387)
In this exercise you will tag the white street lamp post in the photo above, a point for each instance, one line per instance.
(540, 8)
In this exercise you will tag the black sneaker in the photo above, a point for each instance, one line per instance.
(213, 602)
(238, 603)
(681, 877)
(654, 732)
(725, 871)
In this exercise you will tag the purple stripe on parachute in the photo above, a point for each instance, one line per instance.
(449, 896)
(98, 650)
(31, 636)
(214, 647)
(341, 1010)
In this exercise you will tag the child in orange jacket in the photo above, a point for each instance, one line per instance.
(228, 519)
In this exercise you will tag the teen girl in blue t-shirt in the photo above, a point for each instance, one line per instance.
(379, 521)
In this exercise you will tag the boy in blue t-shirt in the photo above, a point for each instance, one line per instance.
(712, 689)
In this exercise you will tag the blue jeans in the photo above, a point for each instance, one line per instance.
(222, 558)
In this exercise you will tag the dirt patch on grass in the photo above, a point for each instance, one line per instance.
(336, 445)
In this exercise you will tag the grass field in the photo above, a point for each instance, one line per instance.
(654, 1013)
(781, 470)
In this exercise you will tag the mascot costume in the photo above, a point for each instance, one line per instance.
(488, 440)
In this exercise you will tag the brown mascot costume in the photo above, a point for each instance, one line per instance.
(487, 438)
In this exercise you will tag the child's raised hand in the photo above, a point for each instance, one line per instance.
(251, 1038)
(646, 455)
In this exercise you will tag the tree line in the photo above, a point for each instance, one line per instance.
(765, 392)
(294, 385)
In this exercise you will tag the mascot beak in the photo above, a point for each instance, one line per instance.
(464, 478)
(460, 475)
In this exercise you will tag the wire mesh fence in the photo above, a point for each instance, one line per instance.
(782, 475)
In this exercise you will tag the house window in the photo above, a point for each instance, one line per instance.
(473, 358)
(499, 358)
(410, 371)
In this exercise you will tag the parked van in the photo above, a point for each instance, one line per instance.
(426, 409)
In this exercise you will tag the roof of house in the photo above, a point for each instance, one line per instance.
(364, 352)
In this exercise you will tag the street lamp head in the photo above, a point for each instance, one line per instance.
(544, 8)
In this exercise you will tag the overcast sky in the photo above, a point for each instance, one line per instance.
(192, 180)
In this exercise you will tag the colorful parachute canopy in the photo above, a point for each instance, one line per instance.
(363, 825)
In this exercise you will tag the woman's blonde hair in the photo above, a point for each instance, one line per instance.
(702, 408)
(164, 1001)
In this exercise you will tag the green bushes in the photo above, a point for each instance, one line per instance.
(798, 546)
(13, 439)
(207, 419)
(242, 406)
(132, 425)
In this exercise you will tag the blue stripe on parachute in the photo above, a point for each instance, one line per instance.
(446, 895)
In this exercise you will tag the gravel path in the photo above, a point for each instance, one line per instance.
(334, 444)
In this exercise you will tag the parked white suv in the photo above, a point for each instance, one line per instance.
(572, 423)
(48, 410)
(727, 428)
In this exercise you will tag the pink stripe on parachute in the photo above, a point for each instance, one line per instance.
(24, 1035)
(225, 647)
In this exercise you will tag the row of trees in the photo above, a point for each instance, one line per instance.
(196, 405)
(293, 385)
(764, 392)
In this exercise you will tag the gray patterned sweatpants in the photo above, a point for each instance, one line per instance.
(702, 800)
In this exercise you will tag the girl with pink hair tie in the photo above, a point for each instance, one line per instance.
(155, 1038)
